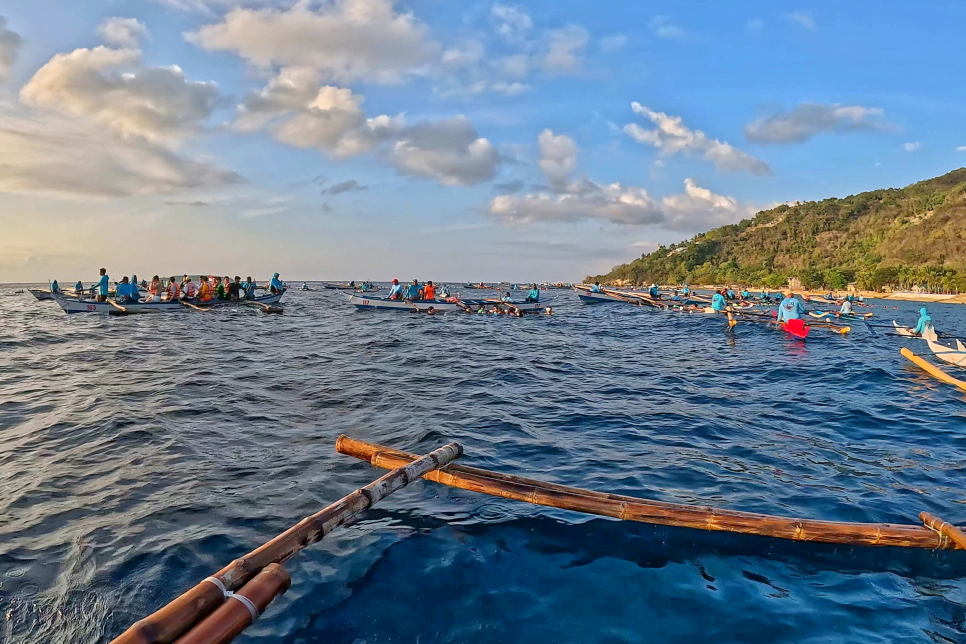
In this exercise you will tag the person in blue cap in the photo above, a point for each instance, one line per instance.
(925, 322)
(790, 308)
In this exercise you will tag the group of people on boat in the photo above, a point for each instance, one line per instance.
(209, 289)
(415, 292)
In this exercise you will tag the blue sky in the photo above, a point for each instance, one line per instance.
(446, 140)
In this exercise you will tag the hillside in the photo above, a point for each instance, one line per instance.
(894, 238)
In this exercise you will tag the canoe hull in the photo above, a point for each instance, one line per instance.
(596, 298)
(75, 305)
(363, 302)
(41, 294)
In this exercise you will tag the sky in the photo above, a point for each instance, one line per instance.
(444, 140)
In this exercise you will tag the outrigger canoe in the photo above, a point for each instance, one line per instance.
(595, 298)
(41, 293)
(363, 302)
(75, 305)
(955, 356)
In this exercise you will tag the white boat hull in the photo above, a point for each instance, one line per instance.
(596, 298)
(75, 305)
(955, 356)
(363, 302)
(41, 294)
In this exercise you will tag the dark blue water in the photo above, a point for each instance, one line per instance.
(140, 454)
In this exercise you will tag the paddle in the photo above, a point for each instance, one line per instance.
(195, 307)
(117, 306)
(266, 308)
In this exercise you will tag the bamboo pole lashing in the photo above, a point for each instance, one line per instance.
(178, 616)
(654, 512)
(945, 529)
(240, 609)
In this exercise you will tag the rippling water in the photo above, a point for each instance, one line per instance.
(140, 454)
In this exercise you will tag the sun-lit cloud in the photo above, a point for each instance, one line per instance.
(449, 151)
(122, 32)
(511, 23)
(113, 87)
(809, 119)
(71, 158)
(672, 137)
(663, 27)
(911, 146)
(345, 40)
(572, 200)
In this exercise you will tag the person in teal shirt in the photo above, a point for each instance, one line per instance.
(925, 322)
(54, 287)
(534, 294)
(685, 291)
(102, 286)
(718, 302)
(411, 292)
(730, 294)
(595, 288)
(276, 285)
(745, 294)
(654, 292)
(790, 308)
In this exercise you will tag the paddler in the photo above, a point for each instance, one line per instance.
(685, 291)
(123, 291)
(275, 285)
(505, 297)
(790, 308)
(429, 292)
(534, 294)
(235, 289)
(730, 294)
(154, 290)
(174, 289)
(221, 290)
(412, 291)
(718, 302)
(102, 286)
(54, 287)
(654, 292)
(250, 287)
(189, 289)
(846, 308)
(79, 288)
(745, 294)
(596, 287)
(925, 322)
(205, 292)
(395, 292)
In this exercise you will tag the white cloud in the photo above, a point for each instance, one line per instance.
(803, 18)
(698, 209)
(755, 24)
(663, 27)
(695, 209)
(297, 111)
(78, 159)
(10, 42)
(123, 32)
(558, 157)
(345, 40)
(565, 47)
(809, 119)
(448, 151)
(512, 23)
(612, 43)
(912, 146)
(111, 86)
(961, 148)
(672, 137)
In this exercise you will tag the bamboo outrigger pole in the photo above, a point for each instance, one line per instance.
(629, 508)
(184, 613)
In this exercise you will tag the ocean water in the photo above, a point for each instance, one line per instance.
(140, 454)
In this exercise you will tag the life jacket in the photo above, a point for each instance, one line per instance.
(190, 289)
(429, 292)
(154, 288)
(173, 291)
(204, 293)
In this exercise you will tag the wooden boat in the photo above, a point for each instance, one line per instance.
(955, 356)
(77, 305)
(364, 302)
(41, 293)
(595, 298)
(338, 287)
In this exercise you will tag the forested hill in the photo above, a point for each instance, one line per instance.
(885, 238)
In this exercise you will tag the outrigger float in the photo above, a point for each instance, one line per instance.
(220, 607)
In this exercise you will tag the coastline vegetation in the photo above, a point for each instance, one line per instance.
(891, 239)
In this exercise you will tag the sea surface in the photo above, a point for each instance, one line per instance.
(140, 454)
